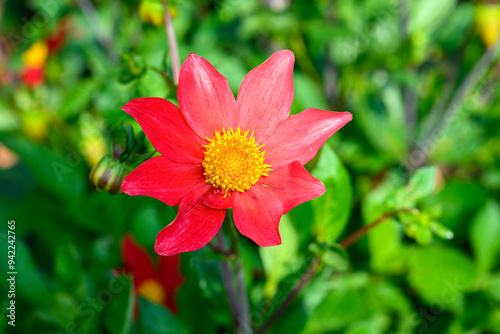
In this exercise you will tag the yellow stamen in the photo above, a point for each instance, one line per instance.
(235, 159)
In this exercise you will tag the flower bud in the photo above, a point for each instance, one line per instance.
(108, 175)
(488, 22)
(151, 11)
(120, 143)
(133, 67)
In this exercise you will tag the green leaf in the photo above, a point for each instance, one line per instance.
(341, 303)
(333, 256)
(454, 32)
(422, 183)
(208, 273)
(485, 236)
(384, 241)
(59, 174)
(427, 15)
(155, 319)
(78, 98)
(30, 284)
(440, 275)
(333, 208)
(121, 312)
(279, 260)
(68, 262)
(152, 84)
(147, 223)
(133, 66)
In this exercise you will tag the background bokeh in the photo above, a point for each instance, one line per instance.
(424, 90)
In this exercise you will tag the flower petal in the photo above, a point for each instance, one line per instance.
(167, 130)
(163, 179)
(215, 199)
(137, 260)
(195, 225)
(301, 136)
(205, 99)
(266, 94)
(292, 185)
(257, 215)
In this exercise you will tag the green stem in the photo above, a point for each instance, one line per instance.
(238, 298)
(172, 44)
(245, 325)
(311, 270)
(364, 230)
(228, 282)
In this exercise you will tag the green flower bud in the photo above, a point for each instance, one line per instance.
(133, 67)
(108, 175)
(119, 143)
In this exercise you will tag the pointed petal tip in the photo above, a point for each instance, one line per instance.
(193, 60)
(345, 116)
(348, 116)
(322, 190)
(193, 55)
(288, 54)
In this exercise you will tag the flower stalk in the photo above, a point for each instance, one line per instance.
(238, 298)
(172, 44)
(228, 281)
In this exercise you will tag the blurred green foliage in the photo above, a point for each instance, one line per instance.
(428, 165)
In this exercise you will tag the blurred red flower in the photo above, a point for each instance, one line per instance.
(57, 38)
(212, 157)
(33, 76)
(34, 58)
(156, 283)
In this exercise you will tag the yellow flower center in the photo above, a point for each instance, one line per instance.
(233, 161)
(152, 291)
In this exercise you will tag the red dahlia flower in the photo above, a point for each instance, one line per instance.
(158, 284)
(213, 158)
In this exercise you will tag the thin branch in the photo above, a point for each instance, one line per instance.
(172, 44)
(309, 274)
(403, 5)
(304, 279)
(165, 77)
(465, 87)
(215, 248)
(245, 321)
(411, 115)
(228, 282)
(363, 230)
(94, 22)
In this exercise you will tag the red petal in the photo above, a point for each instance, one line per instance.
(167, 130)
(301, 136)
(163, 179)
(257, 215)
(171, 277)
(292, 185)
(205, 99)
(195, 225)
(266, 94)
(137, 260)
(215, 199)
